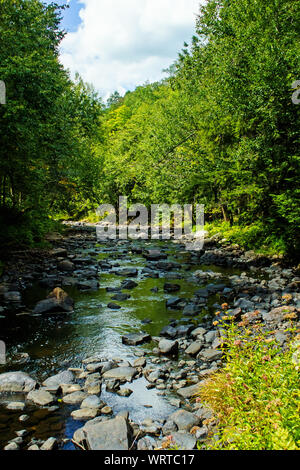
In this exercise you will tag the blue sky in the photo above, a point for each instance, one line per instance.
(119, 44)
(71, 19)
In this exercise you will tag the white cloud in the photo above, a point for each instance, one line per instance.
(123, 43)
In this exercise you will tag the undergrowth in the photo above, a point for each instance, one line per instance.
(255, 397)
(250, 237)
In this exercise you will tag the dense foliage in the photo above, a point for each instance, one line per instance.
(255, 397)
(220, 130)
(48, 125)
(223, 129)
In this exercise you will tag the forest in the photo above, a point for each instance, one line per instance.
(221, 129)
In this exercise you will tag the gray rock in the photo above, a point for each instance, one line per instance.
(91, 285)
(198, 332)
(183, 330)
(167, 346)
(23, 418)
(74, 398)
(147, 443)
(135, 339)
(16, 382)
(112, 385)
(184, 441)
(15, 406)
(188, 392)
(93, 388)
(50, 444)
(57, 301)
(66, 266)
(119, 297)
(91, 402)
(128, 284)
(70, 388)
(12, 446)
(169, 331)
(244, 304)
(123, 414)
(140, 362)
(126, 272)
(40, 397)
(16, 440)
(121, 373)
(108, 435)
(194, 348)
(53, 383)
(151, 428)
(153, 376)
(204, 413)
(155, 255)
(173, 302)
(84, 414)
(278, 314)
(106, 410)
(169, 427)
(175, 402)
(191, 310)
(210, 336)
(95, 367)
(33, 447)
(209, 355)
(113, 306)
(184, 420)
(202, 433)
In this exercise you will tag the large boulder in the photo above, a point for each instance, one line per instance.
(74, 398)
(16, 382)
(121, 373)
(57, 301)
(93, 402)
(53, 383)
(98, 434)
(40, 397)
(134, 339)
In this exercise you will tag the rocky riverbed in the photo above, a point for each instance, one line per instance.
(107, 342)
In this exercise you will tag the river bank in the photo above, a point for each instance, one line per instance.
(123, 366)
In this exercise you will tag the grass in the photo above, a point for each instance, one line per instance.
(255, 397)
(250, 237)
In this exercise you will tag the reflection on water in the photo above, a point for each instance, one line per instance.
(57, 342)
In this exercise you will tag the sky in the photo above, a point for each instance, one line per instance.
(119, 44)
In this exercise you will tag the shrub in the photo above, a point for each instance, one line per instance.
(255, 397)
(253, 236)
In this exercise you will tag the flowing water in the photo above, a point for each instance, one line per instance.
(58, 342)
